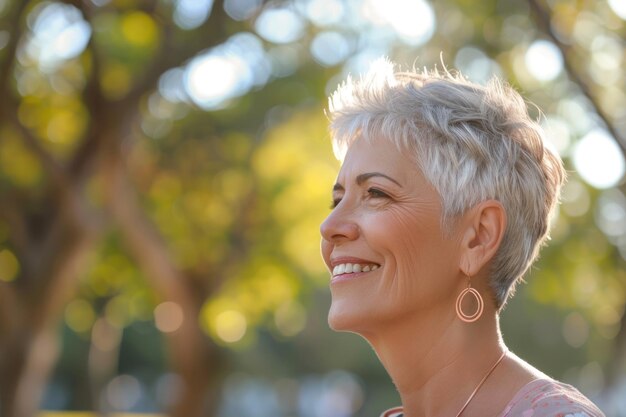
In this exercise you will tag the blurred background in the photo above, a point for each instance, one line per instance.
(165, 164)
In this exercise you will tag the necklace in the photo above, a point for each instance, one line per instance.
(480, 384)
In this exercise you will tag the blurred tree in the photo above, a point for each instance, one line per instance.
(180, 143)
(69, 118)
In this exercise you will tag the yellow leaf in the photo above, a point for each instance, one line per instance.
(79, 315)
(17, 163)
(139, 29)
(9, 266)
(116, 80)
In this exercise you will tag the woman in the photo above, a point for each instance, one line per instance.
(443, 198)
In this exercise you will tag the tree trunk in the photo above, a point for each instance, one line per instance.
(30, 357)
(193, 357)
(29, 344)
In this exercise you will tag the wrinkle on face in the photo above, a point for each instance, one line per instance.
(402, 232)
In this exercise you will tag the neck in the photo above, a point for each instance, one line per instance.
(436, 366)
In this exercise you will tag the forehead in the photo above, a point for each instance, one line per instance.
(377, 155)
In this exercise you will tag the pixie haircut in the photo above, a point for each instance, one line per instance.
(471, 142)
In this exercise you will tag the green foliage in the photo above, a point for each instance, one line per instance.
(236, 192)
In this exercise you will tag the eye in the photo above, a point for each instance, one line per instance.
(334, 203)
(376, 193)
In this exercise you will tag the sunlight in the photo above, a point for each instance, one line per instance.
(329, 48)
(279, 25)
(241, 9)
(619, 7)
(227, 71)
(325, 12)
(599, 160)
(189, 14)
(59, 33)
(544, 60)
(230, 326)
(212, 79)
(413, 21)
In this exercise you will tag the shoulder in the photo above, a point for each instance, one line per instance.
(550, 398)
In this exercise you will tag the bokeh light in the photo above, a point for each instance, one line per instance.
(226, 145)
(330, 48)
(558, 134)
(59, 33)
(230, 326)
(413, 21)
(9, 266)
(476, 65)
(213, 79)
(123, 392)
(544, 60)
(619, 7)
(189, 14)
(290, 318)
(223, 73)
(79, 315)
(575, 330)
(325, 12)
(168, 316)
(575, 198)
(241, 9)
(279, 25)
(598, 159)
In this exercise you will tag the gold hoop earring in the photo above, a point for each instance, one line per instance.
(469, 318)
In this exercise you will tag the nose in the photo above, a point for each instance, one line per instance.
(338, 227)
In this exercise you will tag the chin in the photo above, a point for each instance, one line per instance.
(337, 321)
(347, 317)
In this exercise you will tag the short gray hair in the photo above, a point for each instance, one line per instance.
(471, 142)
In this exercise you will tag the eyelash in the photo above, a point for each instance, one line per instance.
(376, 193)
(373, 193)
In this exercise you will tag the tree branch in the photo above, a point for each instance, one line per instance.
(543, 22)
(8, 309)
(10, 49)
(93, 98)
(50, 165)
(212, 32)
(191, 350)
(14, 217)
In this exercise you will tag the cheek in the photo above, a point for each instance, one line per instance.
(409, 233)
(413, 242)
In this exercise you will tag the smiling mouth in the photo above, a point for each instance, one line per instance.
(348, 268)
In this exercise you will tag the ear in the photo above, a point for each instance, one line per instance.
(484, 229)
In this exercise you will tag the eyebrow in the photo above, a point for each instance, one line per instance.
(361, 178)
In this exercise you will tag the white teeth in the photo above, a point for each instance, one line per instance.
(353, 268)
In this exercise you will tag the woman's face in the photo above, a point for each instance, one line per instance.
(383, 242)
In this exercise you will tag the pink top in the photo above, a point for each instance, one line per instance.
(541, 398)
